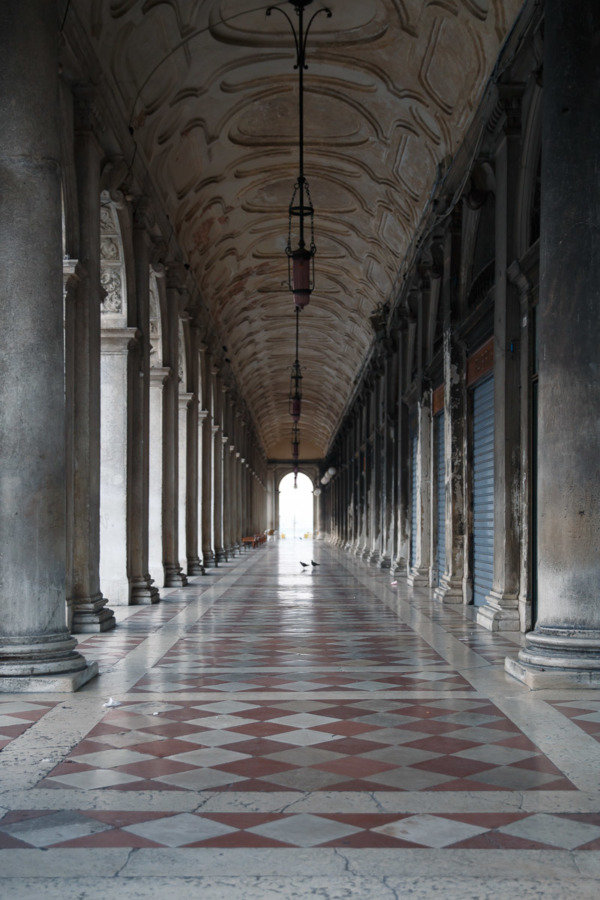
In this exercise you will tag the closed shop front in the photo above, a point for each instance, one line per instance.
(482, 539)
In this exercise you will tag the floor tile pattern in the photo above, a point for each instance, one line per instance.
(23, 829)
(16, 716)
(266, 708)
(307, 745)
(583, 713)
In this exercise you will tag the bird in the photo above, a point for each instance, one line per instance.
(304, 565)
(313, 563)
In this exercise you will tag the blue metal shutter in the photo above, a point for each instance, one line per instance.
(413, 493)
(483, 490)
(441, 494)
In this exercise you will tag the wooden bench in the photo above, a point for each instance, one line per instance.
(254, 539)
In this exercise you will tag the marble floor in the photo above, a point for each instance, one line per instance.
(272, 731)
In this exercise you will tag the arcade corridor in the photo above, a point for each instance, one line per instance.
(280, 732)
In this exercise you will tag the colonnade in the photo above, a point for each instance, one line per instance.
(482, 382)
(129, 461)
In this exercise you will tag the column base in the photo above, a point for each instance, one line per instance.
(174, 576)
(557, 658)
(418, 576)
(195, 567)
(46, 662)
(384, 562)
(399, 567)
(449, 591)
(220, 555)
(48, 684)
(91, 615)
(208, 559)
(142, 592)
(499, 612)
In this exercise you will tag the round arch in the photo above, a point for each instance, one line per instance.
(296, 507)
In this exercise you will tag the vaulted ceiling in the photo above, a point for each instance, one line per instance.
(209, 89)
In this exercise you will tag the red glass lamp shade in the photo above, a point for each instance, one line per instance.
(301, 276)
(295, 407)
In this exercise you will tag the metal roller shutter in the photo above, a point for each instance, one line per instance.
(413, 494)
(441, 495)
(483, 490)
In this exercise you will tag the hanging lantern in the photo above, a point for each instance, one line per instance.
(301, 260)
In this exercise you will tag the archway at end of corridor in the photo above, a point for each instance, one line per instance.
(296, 508)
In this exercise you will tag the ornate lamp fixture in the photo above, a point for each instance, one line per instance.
(295, 451)
(301, 272)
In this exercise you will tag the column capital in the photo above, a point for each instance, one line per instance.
(119, 340)
(160, 374)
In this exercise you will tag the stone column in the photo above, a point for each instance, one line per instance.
(208, 554)
(402, 552)
(174, 576)
(89, 610)
(527, 556)
(451, 587)
(159, 376)
(564, 648)
(389, 461)
(194, 565)
(419, 573)
(142, 591)
(355, 488)
(500, 611)
(202, 424)
(220, 555)
(184, 401)
(37, 653)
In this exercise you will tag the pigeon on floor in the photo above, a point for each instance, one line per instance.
(313, 563)
(304, 565)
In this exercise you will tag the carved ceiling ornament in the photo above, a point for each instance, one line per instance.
(208, 88)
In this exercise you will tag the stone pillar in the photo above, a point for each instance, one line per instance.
(142, 591)
(500, 611)
(226, 488)
(564, 648)
(527, 354)
(89, 610)
(174, 576)
(194, 565)
(202, 424)
(390, 498)
(159, 376)
(451, 587)
(37, 653)
(220, 555)
(208, 554)
(419, 573)
(402, 552)
(184, 401)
